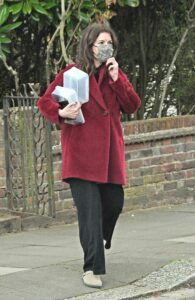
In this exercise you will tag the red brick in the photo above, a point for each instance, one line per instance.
(133, 164)
(180, 156)
(167, 150)
(190, 173)
(155, 161)
(147, 162)
(166, 159)
(166, 142)
(136, 146)
(178, 175)
(158, 169)
(190, 146)
(190, 164)
(192, 120)
(2, 192)
(178, 166)
(2, 172)
(188, 138)
(169, 167)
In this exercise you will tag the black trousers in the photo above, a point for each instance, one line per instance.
(98, 207)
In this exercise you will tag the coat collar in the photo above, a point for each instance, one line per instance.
(95, 87)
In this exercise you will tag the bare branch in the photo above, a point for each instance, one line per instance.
(75, 30)
(166, 80)
(190, 11)
(62, 25)
(191, 109)
(48, 53)
(60, 30)
(12, 71)
(62, 7)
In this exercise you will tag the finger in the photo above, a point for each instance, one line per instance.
(78, 105)
(111, 59)
(72, 117)
(75, 109)
(70, 105)
(110, 67)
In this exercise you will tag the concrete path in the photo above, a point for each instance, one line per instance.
(47, 263)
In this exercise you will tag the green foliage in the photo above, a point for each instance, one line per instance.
(148, 39)
(149, 33)
(4, 13)
(47, 13)
(12, 16)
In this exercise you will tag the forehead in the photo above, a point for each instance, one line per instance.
(105, 36)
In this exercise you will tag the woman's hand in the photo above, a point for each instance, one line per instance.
(70, 111)
(112, 68)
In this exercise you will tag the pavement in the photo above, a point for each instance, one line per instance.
(152, 257)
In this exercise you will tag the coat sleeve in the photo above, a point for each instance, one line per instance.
(127, 97)
(48, 107)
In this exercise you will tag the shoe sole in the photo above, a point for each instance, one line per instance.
(92, 286)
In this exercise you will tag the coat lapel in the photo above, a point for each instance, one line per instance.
(95, 91)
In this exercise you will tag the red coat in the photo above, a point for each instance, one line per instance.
(95, 150)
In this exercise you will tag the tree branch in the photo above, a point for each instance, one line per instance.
(48, 53)
(12, 71)
(62, 25)
(166, 80)
(60, 30)
(75, 30)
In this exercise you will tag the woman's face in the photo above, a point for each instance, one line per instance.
(104, 38)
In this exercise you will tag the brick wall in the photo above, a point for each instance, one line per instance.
(160, 164)
(160, 158)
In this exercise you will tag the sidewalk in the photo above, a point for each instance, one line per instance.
(46, 264)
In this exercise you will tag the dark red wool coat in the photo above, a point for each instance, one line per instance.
(95, 150)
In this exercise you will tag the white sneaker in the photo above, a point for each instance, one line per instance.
(92, 280)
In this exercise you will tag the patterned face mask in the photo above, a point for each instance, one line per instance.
(104, 52)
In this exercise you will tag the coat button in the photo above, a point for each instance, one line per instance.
(105, 113)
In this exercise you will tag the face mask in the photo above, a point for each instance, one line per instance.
(104, 52)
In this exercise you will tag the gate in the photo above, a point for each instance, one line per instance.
(28, 155)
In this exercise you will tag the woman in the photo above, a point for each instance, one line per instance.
(93, 153)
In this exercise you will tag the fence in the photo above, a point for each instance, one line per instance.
(28, 157)
(160, 163)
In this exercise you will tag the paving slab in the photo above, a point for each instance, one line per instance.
(6, 270)
(51, 258)
(165, 279)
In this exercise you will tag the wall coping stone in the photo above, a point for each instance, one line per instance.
(155, 124)
(159, 135)
(149, 136)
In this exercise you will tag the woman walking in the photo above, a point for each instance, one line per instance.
(93, 153)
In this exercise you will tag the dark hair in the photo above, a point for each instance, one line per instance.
(85, 56)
